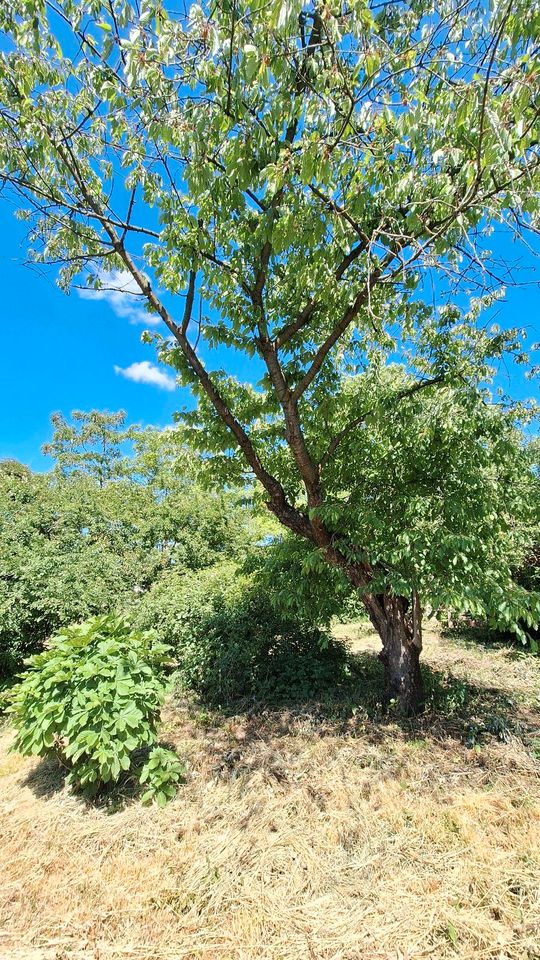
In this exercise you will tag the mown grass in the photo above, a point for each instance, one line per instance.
(304, 830)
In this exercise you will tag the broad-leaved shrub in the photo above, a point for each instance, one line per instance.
(93, 698)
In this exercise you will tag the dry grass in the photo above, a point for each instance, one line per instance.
(299, 835)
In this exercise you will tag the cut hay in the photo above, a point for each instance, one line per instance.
(295, 837)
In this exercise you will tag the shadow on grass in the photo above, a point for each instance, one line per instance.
(469, 713)
(47, 778)
(466, 712)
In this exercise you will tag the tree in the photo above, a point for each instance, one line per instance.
(194, 527)
(73, 546)
(14, 468)
(91, 444)
(299, 174)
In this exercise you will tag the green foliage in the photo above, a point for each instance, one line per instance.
(92, 699)
(92, 444)
(528, 572)
(14, 468)
(68, 550)
(322, 167)
(6, 684)
(233, 639)
(439, 495)
(161, 775)
(302, 584)
(523, 529)
(71, 547)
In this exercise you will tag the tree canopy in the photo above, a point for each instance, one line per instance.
(313, 184)
(72, 546)
(91, 443)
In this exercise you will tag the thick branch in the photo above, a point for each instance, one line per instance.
(293, 428)
(189, 302)
(334, 444)
(362, 297)
(291, 329)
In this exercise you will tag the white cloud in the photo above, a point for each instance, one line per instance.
(146, 372)
(120, 291)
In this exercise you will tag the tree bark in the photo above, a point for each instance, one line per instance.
(398, 622)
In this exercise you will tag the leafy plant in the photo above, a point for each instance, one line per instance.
(161, 773)
(68, 551)
(233, 638)
(72, 547)
(92, 699)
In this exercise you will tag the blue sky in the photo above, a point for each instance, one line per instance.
(65, 353)
(68, 352)
(59, 353)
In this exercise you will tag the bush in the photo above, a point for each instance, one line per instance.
(66, 554)
(528, 576)
(291, 569)
(92, 699)
(233, 641)
(70, 550)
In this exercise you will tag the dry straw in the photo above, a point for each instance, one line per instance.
(296, 837)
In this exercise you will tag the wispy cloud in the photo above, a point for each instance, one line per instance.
(146, 372)
(119, 290)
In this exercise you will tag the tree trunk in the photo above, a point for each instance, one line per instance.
(401, 633)
(398, 621)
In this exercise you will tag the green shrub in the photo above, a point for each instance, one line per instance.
(92, 699)
(233, 641)
(528, 576)
(161, 773)
(291, 569)
(70, 549)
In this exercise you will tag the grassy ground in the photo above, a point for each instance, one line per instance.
(313, 832)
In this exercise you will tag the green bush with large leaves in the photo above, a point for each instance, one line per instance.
(93, 699)
(234, 639)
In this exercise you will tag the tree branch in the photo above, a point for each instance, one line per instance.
(352, 311)
(400, 395)
(189, 302)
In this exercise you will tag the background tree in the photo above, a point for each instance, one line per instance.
(72, 547)
(297, 173)
(14, 468)
(93, 443)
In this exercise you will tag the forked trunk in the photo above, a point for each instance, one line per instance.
(401, 634)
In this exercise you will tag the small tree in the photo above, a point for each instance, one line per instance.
(296, 172)
(92, 444)
(71, 547)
